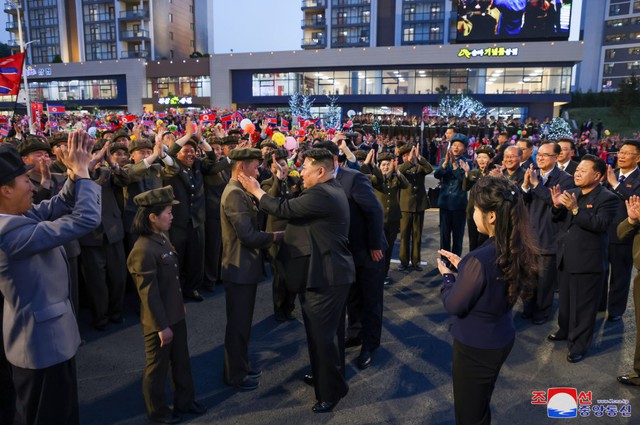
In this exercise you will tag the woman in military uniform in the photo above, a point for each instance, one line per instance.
(153, 264)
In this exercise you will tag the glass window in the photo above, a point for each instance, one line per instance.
(619, 9)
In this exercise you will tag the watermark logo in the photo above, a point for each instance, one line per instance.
(570, 403)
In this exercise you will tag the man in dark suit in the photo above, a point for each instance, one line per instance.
(413, 202)
(41, 336)
(214, 185)
(319, 266)
(367, 245)
(242, 267)
(623, 182)
(537, 196)
(584, 215)
(187, 231)
(629, 228)
(526, 146)
(511, 164)
(565, 163)
(452, 200)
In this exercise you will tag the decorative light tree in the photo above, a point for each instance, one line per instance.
(333, 118)
(558, 129)
(460, 106)
(300, 106)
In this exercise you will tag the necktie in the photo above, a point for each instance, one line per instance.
(544, 179)
(622, 178)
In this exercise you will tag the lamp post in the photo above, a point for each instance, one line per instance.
(16, 4)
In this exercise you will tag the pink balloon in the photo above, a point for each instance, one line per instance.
(290, 143)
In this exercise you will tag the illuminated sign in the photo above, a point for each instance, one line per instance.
(31, 71)
(175, 100)
(491, 52)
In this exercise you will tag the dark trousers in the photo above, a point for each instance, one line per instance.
(617, 285)
(74, 284)
(174, 359)
(411, 237)
(104, 270)
(579, 295)
(46, 396)
(323, 312)
(391, 231)
(364, 306)
(452, 223)
(475, 238)
(539, 306)
(212, 251)
(283, 298)
(189, 245)
(475, 371)
(240, 302)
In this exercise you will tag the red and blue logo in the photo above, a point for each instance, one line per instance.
(563, 403)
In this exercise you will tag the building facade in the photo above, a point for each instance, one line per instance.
(104, 30)
(374, 23)
(620, 51)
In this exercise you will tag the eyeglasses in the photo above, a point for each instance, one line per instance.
(547, 155)
(627, 154)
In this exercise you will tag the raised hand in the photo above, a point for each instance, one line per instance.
(569, 200)
(279, 171)
(78, 155)
(633, 209)
(465, 166)
(556, 192)
(99, 156)
(535, 180)
(453, 258)
(611, 176)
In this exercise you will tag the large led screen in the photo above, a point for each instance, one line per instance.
(515, 20)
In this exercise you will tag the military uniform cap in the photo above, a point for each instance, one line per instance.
(386, 156)
(140, 143)
(33, 144)
(405, 149)
(488, 150)
(230, 140)
(11, 165)
(459, 137)
(113, 147)
(245, 154)
(57, 138)
(268, 143)
(156, 197)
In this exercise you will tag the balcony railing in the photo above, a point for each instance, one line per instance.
(314, 42)
(13, 43)
(135, 55)
(42, 3)
(134, 35)
(418, 17)
(99, 17)
(353, 20)
(134, 15)
(350, 2)
(9, 8)
(316, 22)
(361, 41)
(314, 4)
(12, 26)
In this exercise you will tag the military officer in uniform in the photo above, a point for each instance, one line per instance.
(153, 264)
(388, 182)
(242, 267)
(413, 202)
(280, 185)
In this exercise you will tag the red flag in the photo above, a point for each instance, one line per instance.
(284, 124)
(10, 73)
(56, 109)
(208, 117)
(128, 118)
(226, 117)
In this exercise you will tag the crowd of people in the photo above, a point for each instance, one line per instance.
(184, 206)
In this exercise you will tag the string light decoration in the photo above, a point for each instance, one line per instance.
(333, 117)
(559, 128)
(460, 106)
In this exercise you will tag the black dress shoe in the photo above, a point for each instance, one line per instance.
(352, 342)
(279, 316)
(324, 406)
(100, 326)
(289, 315)
(574, 358)
(170, 418)
(247, 384)
(539, 321)
(308, 379)
(632, 380)
(364, 359)
(417, 267)
(556, 337)
(195, 409)
(387, 280)
(194, 296)
(254, 374)
(614, 318)
(118, 320)
(403, 268)
(526, 315)
(209, 287)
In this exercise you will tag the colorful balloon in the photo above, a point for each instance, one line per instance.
(278, 138)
